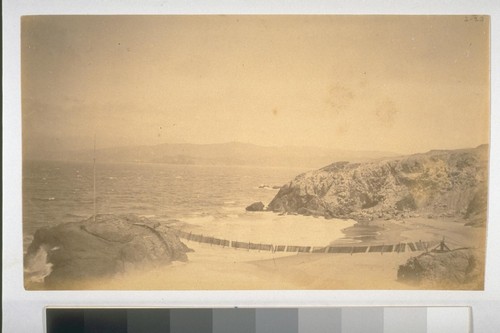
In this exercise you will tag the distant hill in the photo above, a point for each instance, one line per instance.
(451, 183)
(233, 153)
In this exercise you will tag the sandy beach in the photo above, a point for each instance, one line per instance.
(213, 267)
(271, 228)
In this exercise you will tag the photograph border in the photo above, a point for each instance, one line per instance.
(23, 310)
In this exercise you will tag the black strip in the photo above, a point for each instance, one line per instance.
(65, 320)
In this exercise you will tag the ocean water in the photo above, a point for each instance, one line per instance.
(58, 192)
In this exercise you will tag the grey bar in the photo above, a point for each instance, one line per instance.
(363, 320)
(148, 321)
(234, 320)
(276, 320)
(320, 320)
(105, 320)
(191, 321)
(405, 319)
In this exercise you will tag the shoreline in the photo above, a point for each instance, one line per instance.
(413, 229)
(275, 229)
(347, 232)
(213, 267)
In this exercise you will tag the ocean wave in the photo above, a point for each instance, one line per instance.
(200, 219)
(44, 199)
(148, 216)
(37, 267)
(214, 196)
(233, 209)
(141, 207)
(75, 215)
(27, 239)
(82, 201)
(348, 241)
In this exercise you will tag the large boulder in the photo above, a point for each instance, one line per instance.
(109, 245)
(456, 269)
(450, 183)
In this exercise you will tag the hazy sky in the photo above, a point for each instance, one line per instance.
(392, 83)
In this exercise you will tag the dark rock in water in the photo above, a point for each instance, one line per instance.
(442, 269)
(112, 244)
(256, 207)
(274, 187)
(448, 183)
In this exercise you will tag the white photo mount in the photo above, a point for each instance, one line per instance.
(23, 310)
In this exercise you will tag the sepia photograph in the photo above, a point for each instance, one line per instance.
(255, 152)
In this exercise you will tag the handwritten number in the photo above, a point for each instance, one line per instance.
(473, 18)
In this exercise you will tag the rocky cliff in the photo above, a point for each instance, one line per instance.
(75, 252)
(437, 183)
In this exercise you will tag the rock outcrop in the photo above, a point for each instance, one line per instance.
(255, 207)
(110, 245)
(457, 268)
(438, 183)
